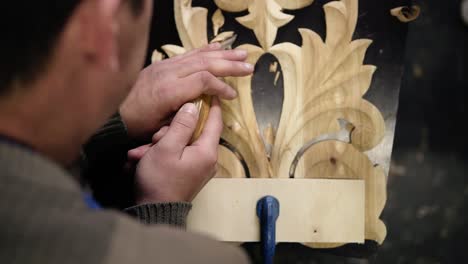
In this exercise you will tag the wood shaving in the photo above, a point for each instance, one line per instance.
(406, 14)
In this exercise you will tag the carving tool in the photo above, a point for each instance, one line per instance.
(203, 103)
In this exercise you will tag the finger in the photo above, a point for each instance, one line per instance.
(231, 55)
(181, 129)
(173, 64)
(138, 153)
(217, 67)
(213, 128)
(203, 83)
(158, 135)
(207, 48)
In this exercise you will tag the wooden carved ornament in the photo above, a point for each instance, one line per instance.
(324, 84)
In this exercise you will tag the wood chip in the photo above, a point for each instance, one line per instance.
(277, 78)
(157, 56)
(406, 14)
(274, 67)
(223, 36)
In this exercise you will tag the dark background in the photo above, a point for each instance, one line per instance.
(426, 212)
(427, 202)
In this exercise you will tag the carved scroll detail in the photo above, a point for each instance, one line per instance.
(330, 80)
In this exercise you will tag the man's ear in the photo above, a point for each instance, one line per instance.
(98, 31)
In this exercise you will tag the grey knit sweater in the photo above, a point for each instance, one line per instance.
(43, 219)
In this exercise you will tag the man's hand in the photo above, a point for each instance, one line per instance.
(164, 87)
(171, 171)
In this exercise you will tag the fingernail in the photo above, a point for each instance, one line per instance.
(249, 66)
(189, 108)
(241, 53)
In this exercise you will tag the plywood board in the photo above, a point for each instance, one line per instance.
(311, 210)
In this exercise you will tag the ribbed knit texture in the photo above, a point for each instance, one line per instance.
(112, 136)
(174, 214)
(43, 219)
(105, 155)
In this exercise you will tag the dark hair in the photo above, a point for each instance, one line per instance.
(29, 31)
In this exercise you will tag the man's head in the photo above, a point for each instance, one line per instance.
(30, 31)
(65, 66)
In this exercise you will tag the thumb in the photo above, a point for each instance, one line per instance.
(181, 129)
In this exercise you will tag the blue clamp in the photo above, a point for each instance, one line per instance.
(268, 212)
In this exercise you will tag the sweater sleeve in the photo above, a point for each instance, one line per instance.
(105, 156)
(111, 140)
(174, 214)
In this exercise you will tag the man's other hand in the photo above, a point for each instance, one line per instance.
(173, 171)
(165, 86)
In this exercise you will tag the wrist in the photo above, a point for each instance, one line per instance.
(137, 124)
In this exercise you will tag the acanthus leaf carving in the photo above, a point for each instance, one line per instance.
(324, 81)
(265, 16)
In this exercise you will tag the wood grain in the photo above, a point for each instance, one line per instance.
(229, 165)
(324, 81)
(310, 210)
(338, 160)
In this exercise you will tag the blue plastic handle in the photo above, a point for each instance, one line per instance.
(268, 212)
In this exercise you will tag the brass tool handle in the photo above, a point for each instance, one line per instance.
(203, 103)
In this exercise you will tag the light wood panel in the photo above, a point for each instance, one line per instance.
(310, 210)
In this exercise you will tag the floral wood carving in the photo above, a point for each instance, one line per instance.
(324, 82)
(265, 16)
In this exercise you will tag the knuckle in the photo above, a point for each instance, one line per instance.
(226, 88)
(205, 77)
(203, 62)
(238, 66)
(162, 149)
